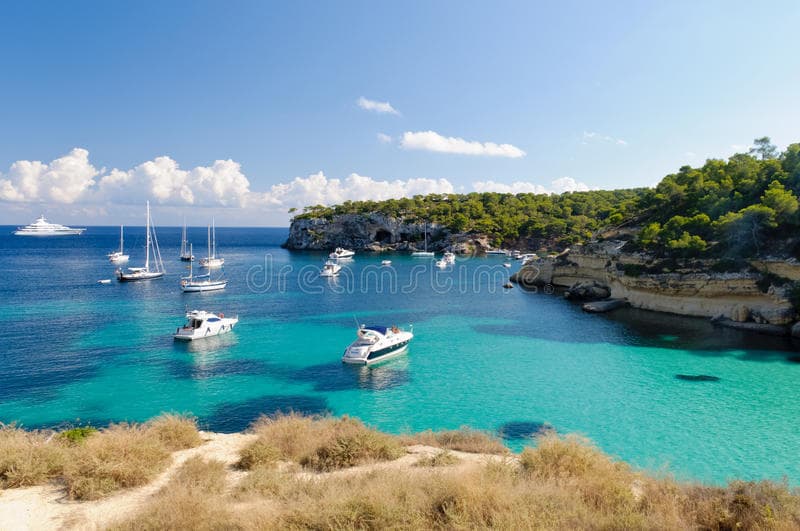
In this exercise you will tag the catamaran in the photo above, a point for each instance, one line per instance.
(145, 273)
(198, 283)
(186, 253)
(212, 261)
(426, 252)
(118, 257)
(41, 227)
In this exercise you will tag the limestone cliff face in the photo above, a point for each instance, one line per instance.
(697, 292)
(376, 232)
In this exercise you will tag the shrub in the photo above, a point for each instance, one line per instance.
(28, 458)
(77, 435)
(444, 458)
(461, 440)
(352, 443)
(176, 432)
(118, 457)
(259, 453)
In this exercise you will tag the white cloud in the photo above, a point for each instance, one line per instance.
(383, 138)
(558, 186)
(380, 107)
(591, 136)
(317, 189)
(433, 141)
(64, 180)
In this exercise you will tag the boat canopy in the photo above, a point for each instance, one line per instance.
(380, 329)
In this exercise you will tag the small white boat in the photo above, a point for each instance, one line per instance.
(497, 252)
(133, 274)
(386, 262)
(104, 281)
(527, 256)
(341, 254)
(449, 257)
(201, 324)
(441, 264)
(212, 261)
(377, 343)
(506, 264)
(118, 257)
(425, 253)
(330, 269)
(41, 227)
(186, 253)
(199, 283)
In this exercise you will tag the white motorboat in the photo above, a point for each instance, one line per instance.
(212, 261)
(426, 253)
(330, 269)
(449, 257)
(199, 283)
(497, 252)
(341, 254)
(527, 256)
(386, 262)
(118, 257)
(201, 324)
(186, 253)
(441, 264)
(104, 281)
(377, 343)
(41, 227)
(506, 264)
(133, 274)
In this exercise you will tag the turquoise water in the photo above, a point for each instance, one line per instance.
(74, 351)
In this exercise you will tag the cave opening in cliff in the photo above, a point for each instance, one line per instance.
(383, 236)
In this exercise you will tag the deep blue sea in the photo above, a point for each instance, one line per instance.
(73, 351)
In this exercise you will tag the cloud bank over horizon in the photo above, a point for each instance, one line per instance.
(73, 180)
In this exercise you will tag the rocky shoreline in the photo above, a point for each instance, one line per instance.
(602, 271)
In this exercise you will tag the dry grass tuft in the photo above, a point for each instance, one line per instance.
(444, 458)
(191, 500)
(320, 443)
(120, 456)
(29, 457)
(176, 432)
(461, 440)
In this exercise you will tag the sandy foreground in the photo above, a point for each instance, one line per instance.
(47, 507)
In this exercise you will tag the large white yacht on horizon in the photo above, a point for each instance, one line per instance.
(42, 227)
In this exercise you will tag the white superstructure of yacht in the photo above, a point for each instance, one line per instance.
(449, 257)
(201, 324)
(377, 343)
(330, 269)
(42, 227)
(341, 254)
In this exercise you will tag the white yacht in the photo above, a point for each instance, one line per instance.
(133, 274)
(527, 256)
(201, 324)
(386, 262)
(449, 257)
(119, 256)
(506, 264)
(212, 261)
(497, 252)
(41, 227)
(376, 343)
(441, 264)
(186, 254)
(199, 283)
(341, 254)
(330, 269)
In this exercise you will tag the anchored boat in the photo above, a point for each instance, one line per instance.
(133, 274)
(341, 254)
(199, 283)
(212, 261)
(377, 343)
(118, 257)
(41, 227)
(201, 324)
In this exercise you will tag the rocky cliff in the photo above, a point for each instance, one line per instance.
(694, 289)
(376, 232)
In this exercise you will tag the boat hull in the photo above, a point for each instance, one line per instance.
(211, 330)
(41, 234)
(378, 355)
(200, 287)
(136, 277)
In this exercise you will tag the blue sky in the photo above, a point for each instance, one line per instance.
(153, 93)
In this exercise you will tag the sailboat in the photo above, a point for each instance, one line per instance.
(426, 252)
(145, 273)
(198, 283)
(212, 260)
(186, 254)
(118, 257)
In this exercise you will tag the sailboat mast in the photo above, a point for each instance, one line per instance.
(191, 271)
(147, 240)
(183, 238)
(209, 242)
(213, 238)
(120, 239)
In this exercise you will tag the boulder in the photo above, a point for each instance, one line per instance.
(740, 313)
(587, 291)
(604, 306)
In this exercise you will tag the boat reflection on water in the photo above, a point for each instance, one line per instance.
(387, 375)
